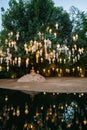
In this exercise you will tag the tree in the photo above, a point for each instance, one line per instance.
(21, 24)
(79, 20)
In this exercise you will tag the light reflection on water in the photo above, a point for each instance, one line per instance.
(43, 111)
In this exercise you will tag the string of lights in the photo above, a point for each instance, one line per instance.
(42, 50)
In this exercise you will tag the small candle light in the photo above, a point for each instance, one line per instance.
(19, 61)
(17, 35)
(27, 62)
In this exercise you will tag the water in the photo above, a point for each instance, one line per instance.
(42, 111)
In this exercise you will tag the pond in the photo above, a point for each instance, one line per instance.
(42, 111)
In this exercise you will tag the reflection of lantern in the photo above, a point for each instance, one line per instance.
(66, 105)
(4, 114)
(37, 114)
(14, 113)
(62, 107)
(18, 111)
(26, 109)
(62, 120)
(85, 121)
(9, 109)
(80, 126)
(25, 125)
(47, 118)
(1, 118)
(42, 108)
(77, 121)
(52, 120)
(7, 117)
(6, 98)
(68, 125)
(31, 126)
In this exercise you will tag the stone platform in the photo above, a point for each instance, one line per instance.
(58, 85)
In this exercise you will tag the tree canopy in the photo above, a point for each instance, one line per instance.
(25, 20)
